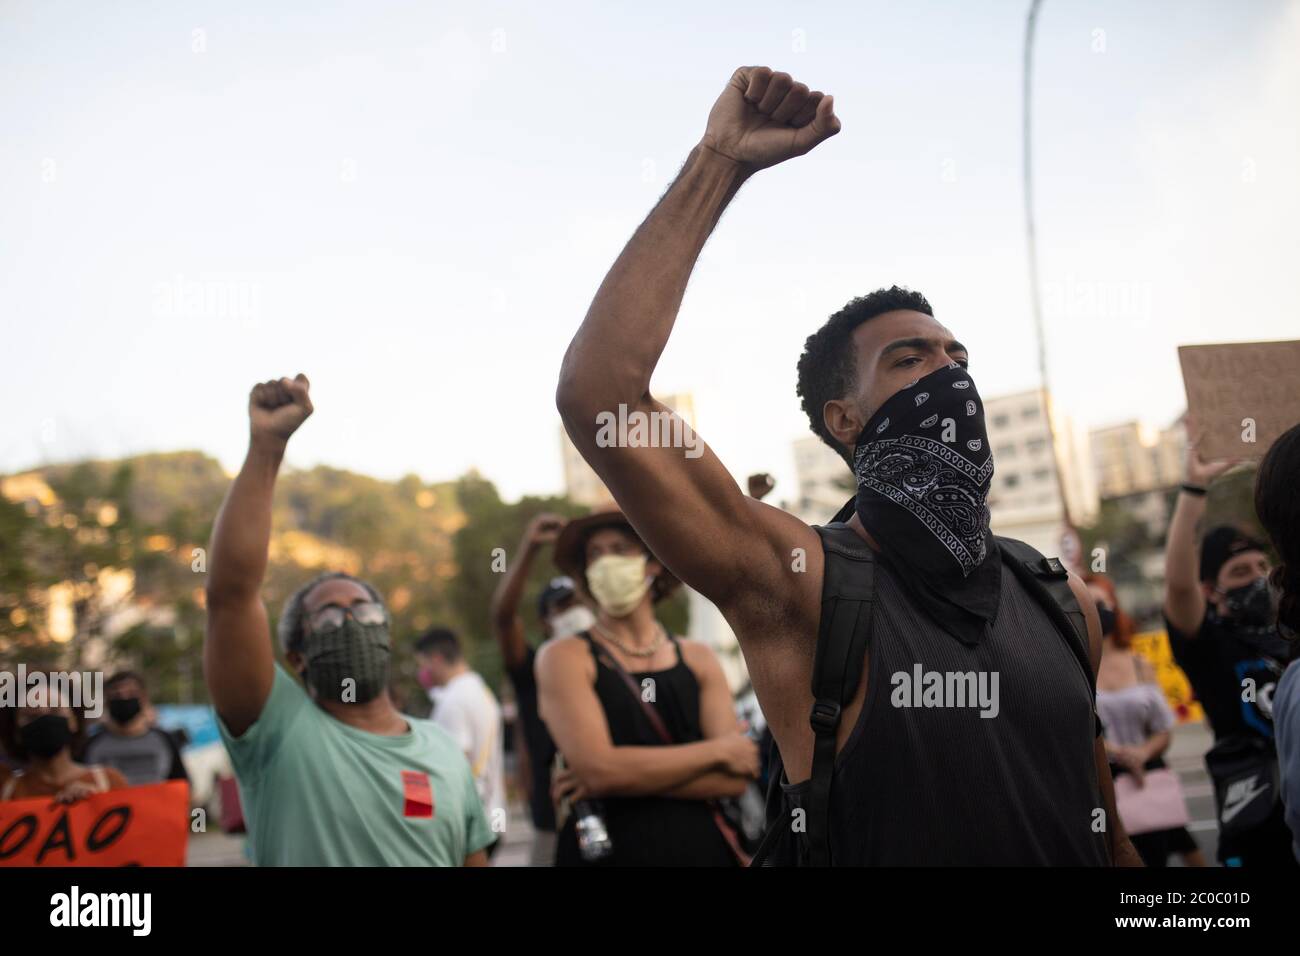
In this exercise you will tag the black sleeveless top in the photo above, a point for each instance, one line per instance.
(943, 786)
(651, 831)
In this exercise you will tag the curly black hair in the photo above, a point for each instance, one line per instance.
(827, 367)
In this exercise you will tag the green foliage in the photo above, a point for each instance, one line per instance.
(1125, 537)
(428, 548)
(483, 548)
(1232, 501)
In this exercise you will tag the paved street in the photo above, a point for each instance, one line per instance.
(1186, 757)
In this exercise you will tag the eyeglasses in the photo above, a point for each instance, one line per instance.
(331, 616)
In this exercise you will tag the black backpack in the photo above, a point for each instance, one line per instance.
(848, 594)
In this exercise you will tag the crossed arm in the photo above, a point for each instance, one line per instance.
(576, 719)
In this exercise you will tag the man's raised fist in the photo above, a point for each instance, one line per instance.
(763, 118)
(277, 408)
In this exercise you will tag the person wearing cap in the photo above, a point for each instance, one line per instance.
(643, 718)
(1221, 618)
(560, 614)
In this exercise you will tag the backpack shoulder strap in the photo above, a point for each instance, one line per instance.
(848, 593)
(1048, 581)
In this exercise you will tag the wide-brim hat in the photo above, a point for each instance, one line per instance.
(571, 550)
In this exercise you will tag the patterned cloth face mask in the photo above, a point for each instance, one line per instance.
(347, 660)
(924, 468)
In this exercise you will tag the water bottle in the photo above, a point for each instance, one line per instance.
(593, 838)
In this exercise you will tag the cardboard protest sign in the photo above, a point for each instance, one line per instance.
(136, 826)
(1242, 395)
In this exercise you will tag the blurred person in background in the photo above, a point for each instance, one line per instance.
(43, 740)
(330, 772)
(1222, 624)
(465, 707)
(644, 720)
(1137, 721)
(128, 741)
(1278, 507)
(560, 614)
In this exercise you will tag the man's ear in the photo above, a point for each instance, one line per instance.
(843, 420)
(295, 661)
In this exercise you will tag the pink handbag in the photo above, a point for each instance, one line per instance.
(1157, 805)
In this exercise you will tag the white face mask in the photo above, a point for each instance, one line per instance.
(575, 620)
(618, 582)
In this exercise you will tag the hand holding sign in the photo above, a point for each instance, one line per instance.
(136, 826)
(1200, 471)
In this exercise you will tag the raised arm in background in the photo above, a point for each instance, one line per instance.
(507, 625)
(1184, 599)
(238, 662)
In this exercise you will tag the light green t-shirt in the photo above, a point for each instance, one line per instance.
(316, 792)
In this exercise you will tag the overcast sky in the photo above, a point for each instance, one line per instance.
(414, 203)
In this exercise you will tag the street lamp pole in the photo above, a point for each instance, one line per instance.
(1035, 296)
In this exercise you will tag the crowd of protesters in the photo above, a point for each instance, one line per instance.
(52, 755)
(630, 749)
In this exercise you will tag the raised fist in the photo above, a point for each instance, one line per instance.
(544, 528)
(760, 485)
(277, 408)
(763, 118)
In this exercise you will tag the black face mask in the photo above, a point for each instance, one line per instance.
(1107, 617)
(125, 709)
(1252, 619)
(46, 735)
(924, 467)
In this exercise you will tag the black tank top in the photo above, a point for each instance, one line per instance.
(943, 786)
(651, 831)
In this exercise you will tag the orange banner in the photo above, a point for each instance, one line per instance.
(137, 826)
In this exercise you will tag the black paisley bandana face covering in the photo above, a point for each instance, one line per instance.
(924, 467)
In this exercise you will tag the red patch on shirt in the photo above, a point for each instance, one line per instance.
(418, 794)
